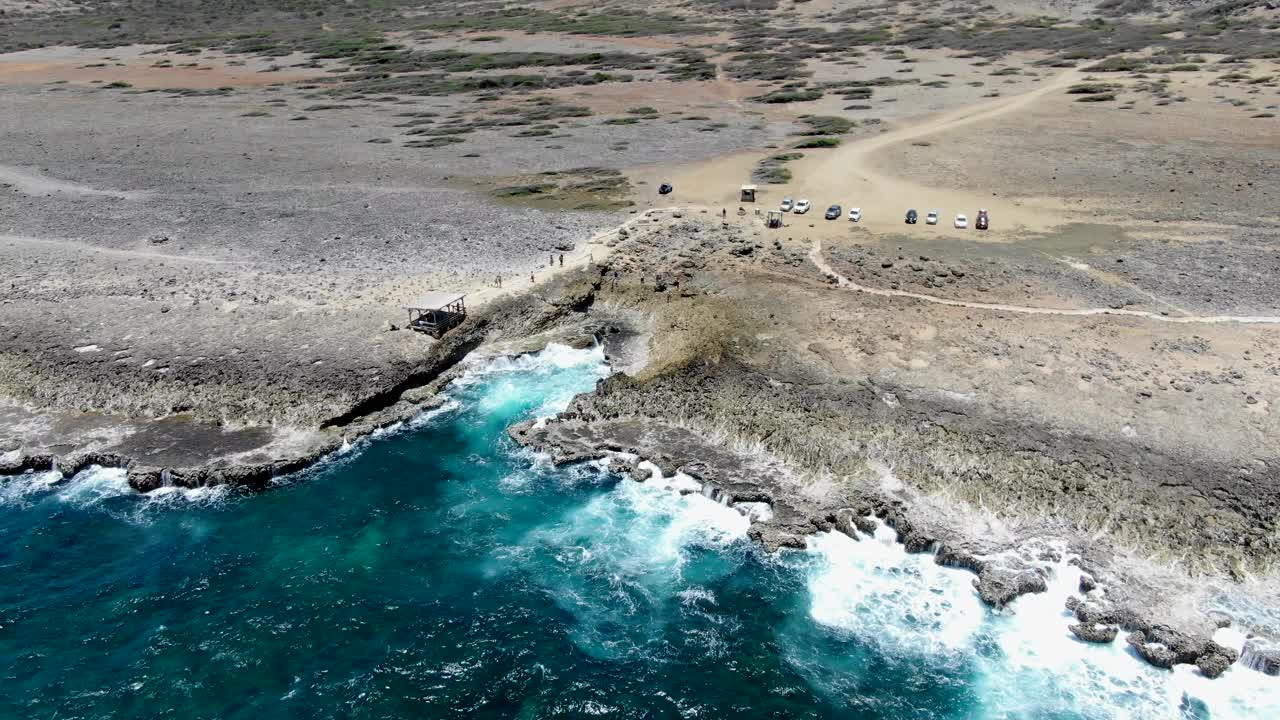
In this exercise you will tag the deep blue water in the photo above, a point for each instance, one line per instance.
(439, 571)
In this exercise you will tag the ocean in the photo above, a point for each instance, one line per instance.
(437, 570)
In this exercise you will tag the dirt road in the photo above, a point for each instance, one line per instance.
(816, 256)
(852, 176)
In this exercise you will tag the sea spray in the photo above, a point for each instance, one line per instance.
(1024, 660)
(905, 603)
(441, 571)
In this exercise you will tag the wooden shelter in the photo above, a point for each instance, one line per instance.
(748, 193)
(773, 219)
(436, 313)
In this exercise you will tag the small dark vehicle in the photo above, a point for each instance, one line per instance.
(983, 222)
(912, 217)
(833, 212)
(665, 189)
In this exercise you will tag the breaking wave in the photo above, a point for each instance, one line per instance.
(438, 570)
(1023, 661)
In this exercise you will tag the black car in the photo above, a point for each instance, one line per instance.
(833, 212)
(665, 188)
(984, 222)
(912, 217)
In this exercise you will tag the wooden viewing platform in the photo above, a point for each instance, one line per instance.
(436, 313)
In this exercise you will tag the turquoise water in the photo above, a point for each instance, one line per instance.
(439, 571)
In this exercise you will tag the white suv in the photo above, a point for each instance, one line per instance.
(787, 204)
(802, 207)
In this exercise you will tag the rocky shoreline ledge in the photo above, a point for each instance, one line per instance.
(748, 383)
(634, 447)
(198, 454)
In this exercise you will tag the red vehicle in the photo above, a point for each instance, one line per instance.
(983, 221)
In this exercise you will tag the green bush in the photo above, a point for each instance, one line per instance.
(819, 142)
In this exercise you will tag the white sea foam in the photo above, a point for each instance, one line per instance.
(627, 556)
(903, 603)
(755, 511)
(93, 485)
(1044, 669)
(553, 357)
(22, 489)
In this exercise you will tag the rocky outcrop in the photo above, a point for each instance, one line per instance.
(1261, 655)
(1165, 647)
(998, 586)
(1211, 666)
(73, 464)
(1094, 632)
(27, 463)
(728, 477)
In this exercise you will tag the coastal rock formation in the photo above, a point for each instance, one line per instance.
(1165, 647)
(1262, 655)
(1094, 633)
(998, 586)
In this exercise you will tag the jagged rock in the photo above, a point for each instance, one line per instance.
(27, 462)
(145, 478)
(1262, 655)
(1087, 583)
(953, 556)
(1089, 612)
(773, 538)
(1095, 633)
(1211, 666)
(75, 463)
(998, 586)
(1165, 647)
(641, 474)
(846, 521)
(1155, 653)
(864, 524)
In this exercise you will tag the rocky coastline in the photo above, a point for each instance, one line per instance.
(527, 322)
(720, 389)
(1002, 573)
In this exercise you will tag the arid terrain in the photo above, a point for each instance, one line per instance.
(211, 217)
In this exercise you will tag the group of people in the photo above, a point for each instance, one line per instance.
(497, 279)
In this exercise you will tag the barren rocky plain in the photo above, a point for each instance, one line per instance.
(212, 213)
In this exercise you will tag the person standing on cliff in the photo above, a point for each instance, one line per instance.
(561, 259)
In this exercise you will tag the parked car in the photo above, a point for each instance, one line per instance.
(665, 189)
(802, 207)
(931, 218)
(787, 204)
(833, 212)
(912, 216)
(855, 215)
(983, 221)
(962, 222)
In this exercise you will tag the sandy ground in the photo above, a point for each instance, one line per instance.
(147, 67)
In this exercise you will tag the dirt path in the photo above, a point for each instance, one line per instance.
(815, 255)
(81, 247)
(854, 175)
(36, 184)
